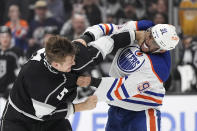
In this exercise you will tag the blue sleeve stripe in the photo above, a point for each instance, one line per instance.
(124, 91)
(154, 94)
(110, 90)
(141, 102)
(126, 77)
(102, 29)
(112, 28)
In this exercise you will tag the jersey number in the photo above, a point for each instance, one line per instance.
(3, 68)
(62, 94)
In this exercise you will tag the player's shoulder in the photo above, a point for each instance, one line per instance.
(34, 64)
(161, 64)
(32, 67)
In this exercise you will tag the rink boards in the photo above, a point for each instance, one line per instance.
(179, 113)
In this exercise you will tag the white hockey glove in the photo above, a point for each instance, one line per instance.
(100, 30)
(104, 44)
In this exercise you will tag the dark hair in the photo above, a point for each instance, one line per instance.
(57, 48)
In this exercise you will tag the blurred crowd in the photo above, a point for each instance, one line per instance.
(32, 21)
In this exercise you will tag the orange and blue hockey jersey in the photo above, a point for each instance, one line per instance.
(136, 78)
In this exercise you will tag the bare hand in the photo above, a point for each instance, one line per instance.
(83, 81)
(91, 102)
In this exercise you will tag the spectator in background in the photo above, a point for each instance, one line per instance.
(186, 71)
(92, 12)
(18, 27)
(31, 12)
(74, 27)
(110, 18)
(151, 9)
(41, 20)
(159, 18)
(5, 4)
(47, 32)
(11, 58)
(162, 7)
(129, 13)
(68, 8)
(111, 8)
(2, 11)
(189, 51)
(56, 8)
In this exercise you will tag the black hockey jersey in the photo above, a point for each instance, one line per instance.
(10, 61)
(43, 93)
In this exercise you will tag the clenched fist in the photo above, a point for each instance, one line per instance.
(83, 81)
(89, 104)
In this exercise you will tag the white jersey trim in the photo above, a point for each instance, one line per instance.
(24, 113)
(3, 116)
(47, 98)
(88, 62)
(70, 110)
(42, 109)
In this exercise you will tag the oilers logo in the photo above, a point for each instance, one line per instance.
(130, 59)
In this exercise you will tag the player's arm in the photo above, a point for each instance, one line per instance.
(96, 51)
(101, 45)
(110, 88)
(89, 104)
(100, 30)
(88, 56)
(123, 35)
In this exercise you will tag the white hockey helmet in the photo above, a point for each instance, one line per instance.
(165, 36)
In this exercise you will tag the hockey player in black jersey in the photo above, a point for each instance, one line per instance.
(42, 94)
(46, 86)
(11, 58)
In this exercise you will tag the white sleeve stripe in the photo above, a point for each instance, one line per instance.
(155, 97)
(57, 111)
(158, 102)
